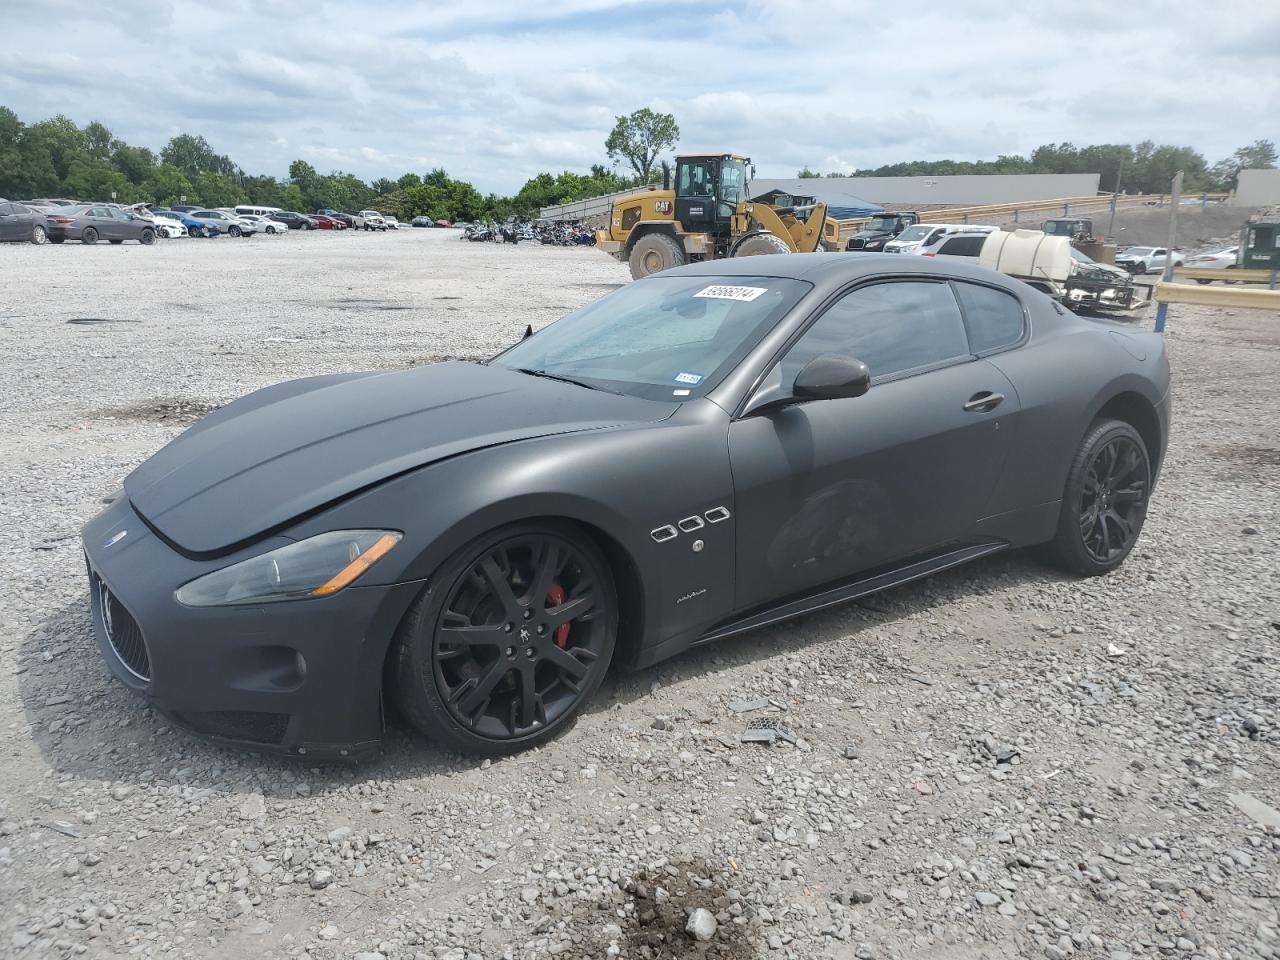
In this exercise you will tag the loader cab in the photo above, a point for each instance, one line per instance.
(709, 189)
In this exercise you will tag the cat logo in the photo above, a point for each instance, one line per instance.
(662, 206)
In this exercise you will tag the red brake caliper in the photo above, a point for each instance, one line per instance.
(555, 597)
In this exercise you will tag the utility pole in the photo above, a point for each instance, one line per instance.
(1111, 226)
(1175, 199)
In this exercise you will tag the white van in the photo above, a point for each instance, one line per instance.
(257, 211)
(919, 237)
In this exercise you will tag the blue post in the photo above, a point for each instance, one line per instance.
(1161, 312)
(1271, 283)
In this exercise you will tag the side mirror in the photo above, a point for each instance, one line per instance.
(832, 377)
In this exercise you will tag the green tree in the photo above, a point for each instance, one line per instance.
(193, 156)
(1259, 155)
(806, 174)
(167, 185)
(408, 180)
(62, 139)
(136, 163)
(217, 190)
(94, 179)
(640, 137)
(99, 141)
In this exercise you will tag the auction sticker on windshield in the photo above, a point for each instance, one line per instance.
(722, 292)
(692, 379)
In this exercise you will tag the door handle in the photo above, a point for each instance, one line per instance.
(983, 401)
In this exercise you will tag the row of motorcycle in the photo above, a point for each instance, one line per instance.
(529, 231)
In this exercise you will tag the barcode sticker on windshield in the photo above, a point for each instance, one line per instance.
(745, 294)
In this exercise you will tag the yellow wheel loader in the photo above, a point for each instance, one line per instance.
(707, 216)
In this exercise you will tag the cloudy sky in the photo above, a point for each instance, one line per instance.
(495, 91)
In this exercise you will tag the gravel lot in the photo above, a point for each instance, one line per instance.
(997, 762)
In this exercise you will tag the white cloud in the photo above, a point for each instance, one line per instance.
(496, 93)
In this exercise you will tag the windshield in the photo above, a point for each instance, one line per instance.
(1060, 229)
(882, 224)
(659, 338)
(1079, 257)
(917, 232)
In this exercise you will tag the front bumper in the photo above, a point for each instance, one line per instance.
(299, 677)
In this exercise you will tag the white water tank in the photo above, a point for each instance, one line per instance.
(1027, 254)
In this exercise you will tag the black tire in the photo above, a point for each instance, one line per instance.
(38, 234)
(89, 235)
(147, 237)
(234, 231)
(653, 253)
(472, 652)
(1105, 500)
(760, 244)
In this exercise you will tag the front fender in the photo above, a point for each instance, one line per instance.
(623, 484)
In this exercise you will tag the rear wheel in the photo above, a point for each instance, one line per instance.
(1105, 501)
(761, 244)
(89, 235)
(38, 234)
(655, 252)
(512, 636)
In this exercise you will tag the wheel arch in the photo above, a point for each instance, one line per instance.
(1140, 413)
(646, 227)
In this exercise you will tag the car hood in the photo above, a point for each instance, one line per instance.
(1102, 272)
(251, 467)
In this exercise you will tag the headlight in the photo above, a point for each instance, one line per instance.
(316, 567)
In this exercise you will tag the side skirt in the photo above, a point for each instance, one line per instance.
(850, 591)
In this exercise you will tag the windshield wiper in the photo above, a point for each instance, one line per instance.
(556, 376)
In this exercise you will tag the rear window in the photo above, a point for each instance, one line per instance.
(993, 318)
(963, 246)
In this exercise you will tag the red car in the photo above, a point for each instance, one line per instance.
(327, 223)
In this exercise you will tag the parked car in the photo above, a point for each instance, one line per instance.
(958, 245)
(168, 226)
(373, 220)
(20, 223)
(270, 577)
(294, 221)
(263, 224)
(922, 238)
(90, 223)
(880, 229)
(328, 223)
(345, 218)
(224, 222)
(392, 222)
(420, 222)
(194, 227)
(1139, 260)
(254, 211)
(185, 208)
(1217, 260)
(52, 202)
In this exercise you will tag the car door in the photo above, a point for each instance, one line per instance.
(1157, 259)
(7, 218)
(122, 225)
(827, 489)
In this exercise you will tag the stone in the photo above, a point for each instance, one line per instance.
(321, 878)
(253, 807)
(986, 899)
(701, 925)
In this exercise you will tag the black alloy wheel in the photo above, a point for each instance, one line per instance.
(1106, 499)
(89, 235)
(513, 638)
(147, 237)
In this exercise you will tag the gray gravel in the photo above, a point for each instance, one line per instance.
(997, 762)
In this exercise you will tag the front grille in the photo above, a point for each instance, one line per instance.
(251, 725)
(123, 632)
(857, 244)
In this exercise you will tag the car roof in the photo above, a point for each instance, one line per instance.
(837, 269)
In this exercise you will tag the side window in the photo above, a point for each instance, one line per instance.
(891, 327)
(1159, 253)
(695, 180)
(994, 318)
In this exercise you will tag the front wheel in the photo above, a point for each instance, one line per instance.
(653, 253)
(1105, 500)
(234, 231)
(148, 236)
(38, 234)
(761, 244)
(510, 639)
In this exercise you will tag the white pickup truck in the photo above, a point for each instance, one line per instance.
(373, 220)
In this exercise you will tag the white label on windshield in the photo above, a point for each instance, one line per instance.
(745, 294)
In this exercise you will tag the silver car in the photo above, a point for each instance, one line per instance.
(224, 222)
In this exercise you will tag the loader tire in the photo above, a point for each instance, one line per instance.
(653, 253)
(761, 244)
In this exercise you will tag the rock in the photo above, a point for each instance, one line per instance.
(328, 932)
(1256, 810)
(369, 955)
(339, 834)
(701, 925)
(253, 807)
(320, 878)
(119, 793)
(986, 899)
(529, 894)
(898, 894)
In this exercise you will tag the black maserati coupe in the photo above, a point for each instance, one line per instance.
(699, 453)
